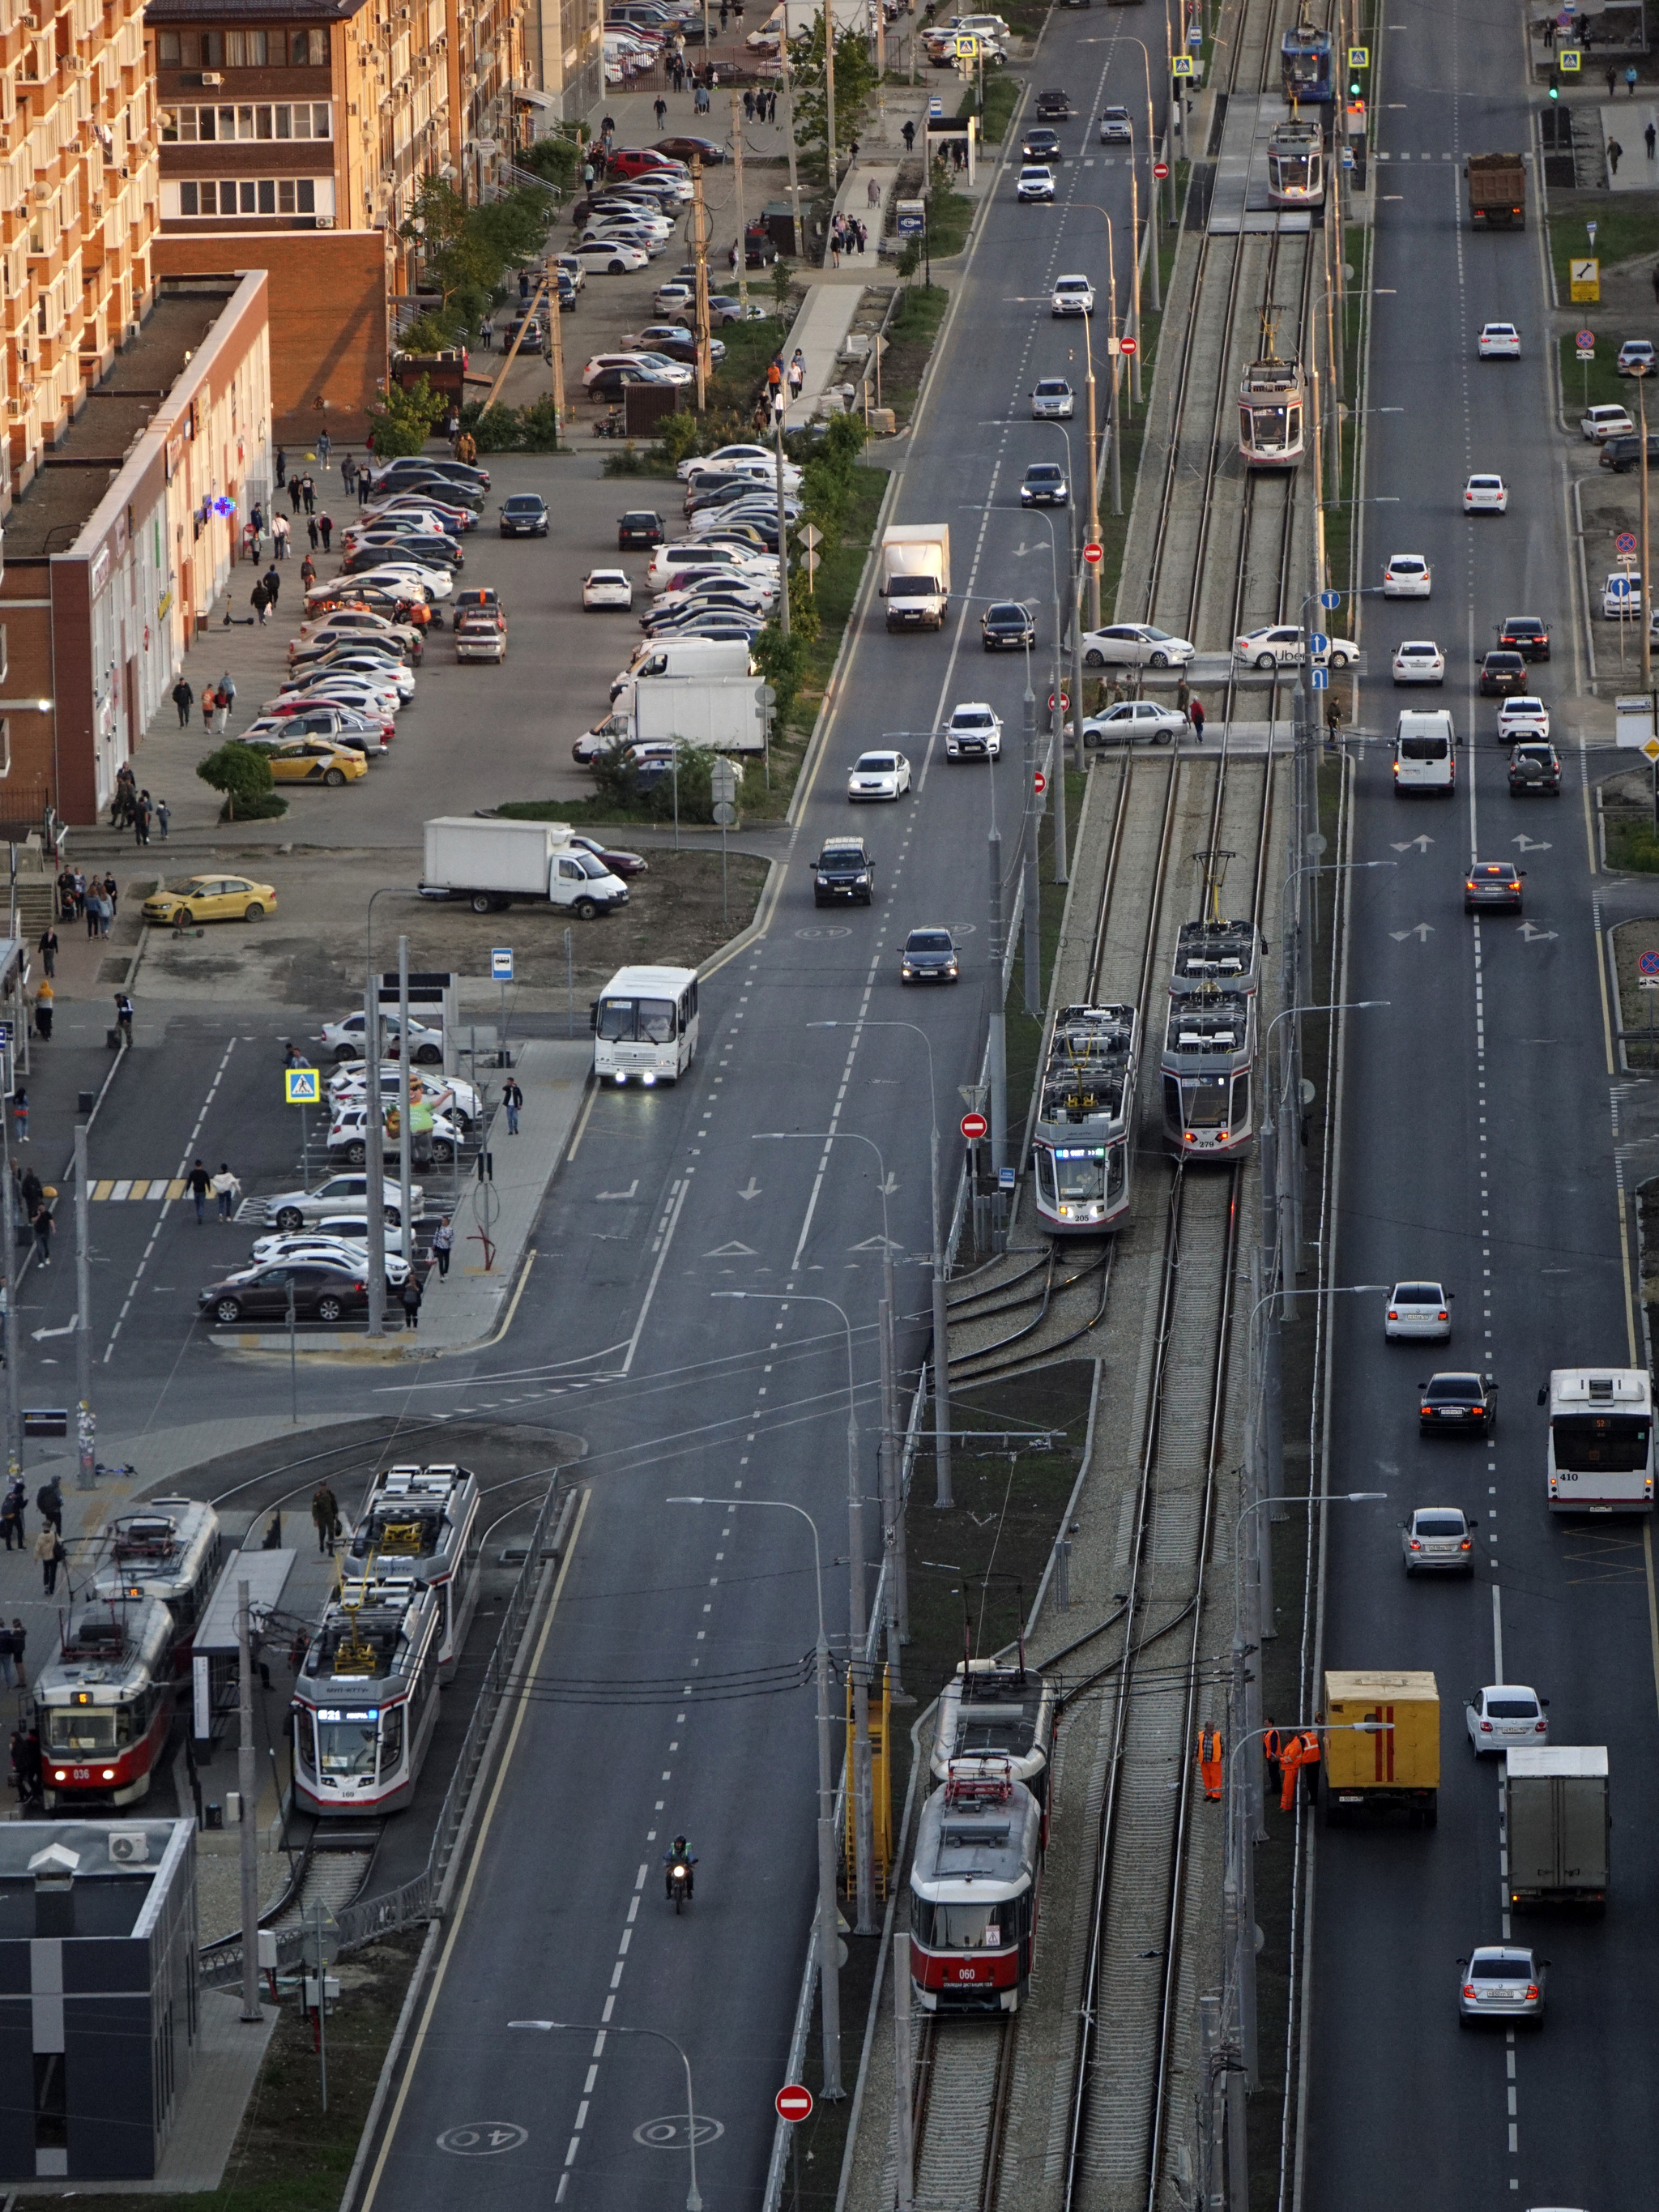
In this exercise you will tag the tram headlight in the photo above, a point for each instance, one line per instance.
(109, 1774)
(58, 1775)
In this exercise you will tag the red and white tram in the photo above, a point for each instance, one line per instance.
(103, 1704)
(169, 1550)
(365, 1701)
(991, 1711)
(973, 1891)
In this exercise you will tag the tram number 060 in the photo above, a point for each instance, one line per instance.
(967, 1973)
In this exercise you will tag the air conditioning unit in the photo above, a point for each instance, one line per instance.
(129, 1846)
(211, 76)
(42, 194)
(324, 222)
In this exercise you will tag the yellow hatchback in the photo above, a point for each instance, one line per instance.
(314, 760)
(212, 898)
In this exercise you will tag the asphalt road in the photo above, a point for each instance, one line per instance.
(1478, 1146)
(668, 1201)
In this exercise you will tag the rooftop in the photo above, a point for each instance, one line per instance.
(78, 470)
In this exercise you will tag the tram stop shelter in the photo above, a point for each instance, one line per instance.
(948, 134)
(99, 2020)
(214, 1683)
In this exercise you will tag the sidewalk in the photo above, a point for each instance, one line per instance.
(493, 1226)
(1625, 122)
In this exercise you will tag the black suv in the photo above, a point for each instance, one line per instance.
(1525, 634)
(844, 870)
(1535, 766)
(1007, 623)
(1623, 454)
(640, 528)
(1051, 106)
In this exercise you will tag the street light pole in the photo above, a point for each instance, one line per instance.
(693, 2201)
(828, 1933)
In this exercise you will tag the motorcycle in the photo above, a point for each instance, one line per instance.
(679, 1883)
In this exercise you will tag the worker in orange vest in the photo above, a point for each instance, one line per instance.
(1273, 1744)
(1209, 1761)
(1302, 1750)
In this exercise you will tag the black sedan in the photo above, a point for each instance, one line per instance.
(1007, 623)
(1458, 1404)
(320, 1291)
(1527, 635)
(524, 515)
(681, 149)
(1502, 673)
(639, 528)
(930, 956)
(1040, 143)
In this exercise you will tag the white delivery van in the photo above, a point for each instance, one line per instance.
(1425, 754)
(682, 656)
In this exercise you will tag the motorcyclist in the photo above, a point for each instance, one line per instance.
(678, 1854)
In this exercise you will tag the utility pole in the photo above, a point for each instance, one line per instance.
(556, 342)
(697, 231)
(892, 1501)
(743, 219)
(375, 1157)
(858, 1626)
(1094, 492)
(944, 1496)
(1033, 917)
(998, 1057)
(406, 1179)
(86, 1473)
(829, 1934)
(789, 141)
(828, 90)
(783, 521)
(13, 1338)
(247, 1786)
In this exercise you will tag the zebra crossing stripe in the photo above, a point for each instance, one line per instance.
(141, 1186)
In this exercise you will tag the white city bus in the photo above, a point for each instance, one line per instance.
(645, 1025)
(1601, 1441)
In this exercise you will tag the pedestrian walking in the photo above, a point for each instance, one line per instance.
(7, 1660)
(748, 104)
(259, 600)
(1629, 79)
(163, 816)
(45, 1007)
(307, 572)
(273, 582)
(228, 1190)
(660, 109)
(184, 698)
(726, 14)
(364, 487)
(282, 467)
(294, 493)
(11, 1518)
(198, 1183)
(209, 702)
(49, 949)
(141, 814)
(49, 1550)
(49, 1498)
(443, 1243)
(91, 902)
(1195, 716)
(20, 1644)
(1210, 1763)
(513, 1099)
(872, 192)
(280, 530)
(1615, 155)
(326, 1516)
(1271, 1744)
(308, 494)
(43, 1225)
(1652, 138)
(315, 534)
(325, 524)
(909, 135)
(325, 447)
(112, 893)
(411, 1299)
(1613, 78)
(20, 1116)
(30, 1192)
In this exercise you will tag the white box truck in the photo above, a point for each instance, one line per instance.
(680, 656)
(1556, 1824)
(492, 864)
(916, 575)
(723, 714)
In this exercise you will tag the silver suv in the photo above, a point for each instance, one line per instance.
(340, 1194)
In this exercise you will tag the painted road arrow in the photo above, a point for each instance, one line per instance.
(1423, 930)
(1422, 844)
(752, 1189)
(1530, 844)
(1531, 936)
(606, 1196)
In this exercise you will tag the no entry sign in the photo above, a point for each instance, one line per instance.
(973, 1127)
(1039, 783)
(793, 2101)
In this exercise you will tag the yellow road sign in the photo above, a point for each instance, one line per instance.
(1651, 749)
(1585, 279)
(1183, 65)
(302, 1086)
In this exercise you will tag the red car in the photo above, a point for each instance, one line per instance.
(635, 161)
(620, 864)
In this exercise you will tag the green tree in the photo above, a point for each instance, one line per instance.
(243, 774)
(403, 421)
(782, 662)
(855, 84)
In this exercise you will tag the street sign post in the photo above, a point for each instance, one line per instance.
(1330, 599)
(973, 1127)
(1065, 702)
(501, 964)
(1129, 345)
(1160, 170)
(1318, 643)
(1321, 680)
(793, 2102)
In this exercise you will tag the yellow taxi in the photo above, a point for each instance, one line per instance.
(212, 898)
(314, 760)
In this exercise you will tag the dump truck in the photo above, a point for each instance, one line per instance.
(916, 575)
(1381, 1746)
(1497, 192)
(1556, 1824)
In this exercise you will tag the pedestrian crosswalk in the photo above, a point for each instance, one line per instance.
(156, 1186)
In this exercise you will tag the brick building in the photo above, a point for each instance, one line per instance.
(294, 134)
(78, 208)
(118, 547)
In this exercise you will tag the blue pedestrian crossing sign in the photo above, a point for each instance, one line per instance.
(1181, 65)
(501, 964)
(1321, 680)
(302, 1086)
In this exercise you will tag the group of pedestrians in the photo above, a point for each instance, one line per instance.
(217, 701)
(224, 1187)
(96, 898)
(47, 1547)
(846, 235)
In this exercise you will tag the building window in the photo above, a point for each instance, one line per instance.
(233, 196)
(280, 119)
(245, 49)
(5, 744)
(167, 49)
(309, 48)
(213, 50)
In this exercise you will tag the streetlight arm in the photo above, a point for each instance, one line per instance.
(693, 2200)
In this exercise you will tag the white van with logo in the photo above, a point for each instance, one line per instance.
(1425, 754)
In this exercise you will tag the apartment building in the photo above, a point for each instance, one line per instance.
(79, 192)
(293, 135)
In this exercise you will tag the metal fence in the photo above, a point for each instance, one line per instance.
(423, 1896)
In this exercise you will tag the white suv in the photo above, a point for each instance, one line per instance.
(973, 732)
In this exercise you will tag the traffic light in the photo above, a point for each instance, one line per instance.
(1555, 89)
(1353, 86)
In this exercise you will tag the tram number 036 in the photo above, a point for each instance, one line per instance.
(81, 1773)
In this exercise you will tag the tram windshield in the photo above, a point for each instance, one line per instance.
(636, 1021)
(1271, 427)
(963, 1927)
(1601, 1443)
(74, 1730)
(1204, 1105)
(1080, 1175)
(347, 1748)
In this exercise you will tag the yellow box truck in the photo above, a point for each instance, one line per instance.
(1381, 1745)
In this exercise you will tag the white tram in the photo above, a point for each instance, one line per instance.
(1085, 1133)
(365, 1701)
(1210, 1041)
(1295, 163)
(973, 1891)
(424, 1522)
(992, 1711)
(171, 1550)
(103, 1703)
(1272, 412)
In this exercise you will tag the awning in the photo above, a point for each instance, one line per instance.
(265, 1574)
(525, 97)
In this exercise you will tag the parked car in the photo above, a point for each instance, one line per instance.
(321, 1290)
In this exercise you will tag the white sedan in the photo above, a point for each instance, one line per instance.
(1420, 660)
(878, 775)
(1072, 295)
(344, 1039)
(613, 260)
(270, 1249)
(399, 578)
(607, 587)
(1499, 342)
(1036, 182)
(1486, 495)
(1502, 1714)
(1135, 721)
(1407, 576)
(1280, 645)
(1520, 718)
(1417, 1311)
(1134, 645)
